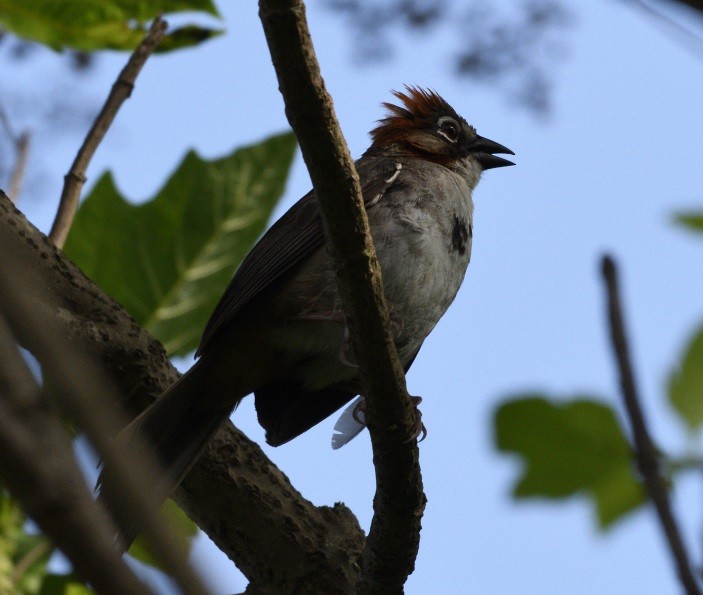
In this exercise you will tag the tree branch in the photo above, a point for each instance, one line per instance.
(681, 34)
(645, 451)
(393, 541)
(234, 493)
(121, 90)
(694, 4)
(21, 144)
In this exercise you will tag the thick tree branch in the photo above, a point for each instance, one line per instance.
(645, 451)
(234, 493)
(121, 90)
(277, 538)
(393, 541)
(38, 467)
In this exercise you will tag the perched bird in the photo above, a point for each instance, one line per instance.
(279, 330)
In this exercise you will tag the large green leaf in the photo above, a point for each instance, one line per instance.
(686, 384)
(89, 25)
(569, 448)
(169, 260)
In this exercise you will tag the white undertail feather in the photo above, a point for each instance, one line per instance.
(347, 428)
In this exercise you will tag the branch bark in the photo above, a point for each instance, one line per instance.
(235, 494)
(393, 540)
(121, 90)
(645, 451)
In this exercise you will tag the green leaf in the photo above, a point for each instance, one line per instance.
(89, 25)
(168, 261)
(569, 448)
(186, 36)
(691, 221)
(686, 384)
(183, 528)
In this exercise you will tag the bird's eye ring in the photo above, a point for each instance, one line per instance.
(449, 129)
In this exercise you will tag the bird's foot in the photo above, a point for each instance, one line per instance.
(419, 429)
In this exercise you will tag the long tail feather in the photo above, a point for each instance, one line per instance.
(177, 429)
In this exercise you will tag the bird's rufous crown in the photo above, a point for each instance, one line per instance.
(421, 110)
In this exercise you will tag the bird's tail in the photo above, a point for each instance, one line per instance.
(177, 428)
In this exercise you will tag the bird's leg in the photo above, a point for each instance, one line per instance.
(339, 317)
(418, 427)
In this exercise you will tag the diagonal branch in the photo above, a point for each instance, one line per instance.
(245, 504)
(121, 90)
(645, 451)
(393, 540)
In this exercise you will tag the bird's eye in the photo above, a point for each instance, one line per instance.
(449, 129)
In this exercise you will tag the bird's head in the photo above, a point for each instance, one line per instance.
(426, 126)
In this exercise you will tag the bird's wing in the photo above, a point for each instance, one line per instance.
(289, 241)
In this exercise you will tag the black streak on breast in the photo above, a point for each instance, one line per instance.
(460, 236)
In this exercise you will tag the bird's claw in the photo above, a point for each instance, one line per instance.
(358, 410)
(419, 429)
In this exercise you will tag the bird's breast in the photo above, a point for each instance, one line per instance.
(424, 247)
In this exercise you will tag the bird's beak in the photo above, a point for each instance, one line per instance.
(483, 150)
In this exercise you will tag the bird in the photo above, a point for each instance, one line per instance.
(279, 330)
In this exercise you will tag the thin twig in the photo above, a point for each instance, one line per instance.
(17, 175)
(21, 144)
(43, 548)
(645, 451)
(121, 90)
(7, 125)
(393, 540)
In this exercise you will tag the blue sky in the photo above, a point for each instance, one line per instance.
(619, 153)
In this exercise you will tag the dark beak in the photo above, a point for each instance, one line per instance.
(483, 150)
